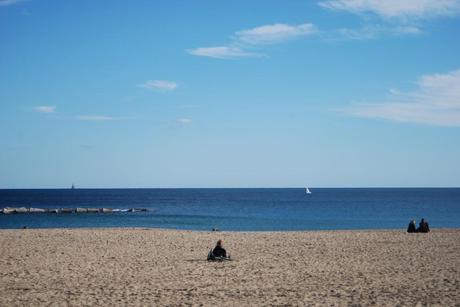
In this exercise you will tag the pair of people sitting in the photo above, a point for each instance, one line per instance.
(218, 253)
(422, 227)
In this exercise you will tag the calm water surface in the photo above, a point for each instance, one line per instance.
(239, 209)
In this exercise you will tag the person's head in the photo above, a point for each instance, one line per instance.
(422, 221)
(219, 243)
(413, 221)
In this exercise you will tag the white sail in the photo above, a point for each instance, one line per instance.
(307, 190)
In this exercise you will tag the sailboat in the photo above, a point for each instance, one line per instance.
(307, 190)
(72, 187)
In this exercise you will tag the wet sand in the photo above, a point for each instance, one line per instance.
(164, 267)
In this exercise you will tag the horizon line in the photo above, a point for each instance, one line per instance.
(234, 188)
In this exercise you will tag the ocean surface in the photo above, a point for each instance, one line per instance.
(239, 209)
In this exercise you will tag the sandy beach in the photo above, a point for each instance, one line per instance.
(121, 267)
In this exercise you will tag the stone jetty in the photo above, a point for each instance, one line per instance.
(12, 210)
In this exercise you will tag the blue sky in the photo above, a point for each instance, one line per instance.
(339, 93)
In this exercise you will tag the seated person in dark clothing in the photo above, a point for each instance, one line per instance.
(218, 253)
(423, 226)
(412, 227)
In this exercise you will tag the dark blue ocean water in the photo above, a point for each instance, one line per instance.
(239, 209)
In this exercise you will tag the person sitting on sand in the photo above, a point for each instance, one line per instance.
(412, 227)
(423, 226)
(218, 253)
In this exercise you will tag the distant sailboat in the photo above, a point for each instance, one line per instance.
(72, 187)
(307, 190)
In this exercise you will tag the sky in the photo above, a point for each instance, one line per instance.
(260, 93)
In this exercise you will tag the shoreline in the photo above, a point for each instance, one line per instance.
(158, 266)
(397, 230)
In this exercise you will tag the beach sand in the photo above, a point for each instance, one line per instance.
(155, 267)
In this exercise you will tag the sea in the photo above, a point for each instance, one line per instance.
(263, 209)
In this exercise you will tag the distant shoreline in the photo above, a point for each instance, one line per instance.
(395, 230)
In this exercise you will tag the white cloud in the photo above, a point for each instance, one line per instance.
(400, 17)
(373, 32)
(396, 8)
(184, 121)
(96, 118)
(272, 34)
(436, 101)
(9, 2)
(222, 52)
(45, 109)
(161, 85)
(243, 42)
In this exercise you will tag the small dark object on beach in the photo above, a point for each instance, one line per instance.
(423, 227)
(412, 227)
(24, 227)
(218, 253)
(215, 229)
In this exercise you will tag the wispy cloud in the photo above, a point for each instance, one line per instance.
(222, 52)
(244, 42)
(160, 85)
(395, 17)
(184, 121)
(372, 32)
(407, 9)
(44, 109)
(96, 118)
(10, 2)
(273, 34)
(436, 101)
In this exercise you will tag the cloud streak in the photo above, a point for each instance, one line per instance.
(406, 9)
(372, 32)
(97, 118)
(399, 17)
(244, 42)
(9, 2)
(222, 52)
(44, 109)
(273, 34)
(184, 121)
(159, 85)
(436, 101)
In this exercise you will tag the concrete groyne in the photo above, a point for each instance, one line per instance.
(13, 210)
